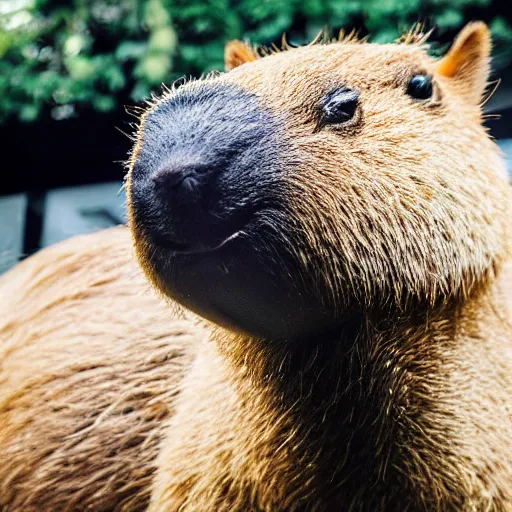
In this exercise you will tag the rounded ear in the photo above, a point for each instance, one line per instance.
(237, 53)
(468, 60)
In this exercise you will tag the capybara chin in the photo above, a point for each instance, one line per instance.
(328, 230)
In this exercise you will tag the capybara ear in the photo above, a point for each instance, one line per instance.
(468, 60)
(237, 53)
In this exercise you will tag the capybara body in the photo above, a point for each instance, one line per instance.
(88, 374)
(335, 221)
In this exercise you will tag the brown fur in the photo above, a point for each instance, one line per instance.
(237, 53)
(89, 367)
(407, 407)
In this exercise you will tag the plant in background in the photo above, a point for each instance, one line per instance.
(101, 54)
(87, 54)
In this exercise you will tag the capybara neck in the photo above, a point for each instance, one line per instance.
(330, 417)
(339, 213)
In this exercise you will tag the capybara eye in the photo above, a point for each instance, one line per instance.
(420, 87)
(340, 106)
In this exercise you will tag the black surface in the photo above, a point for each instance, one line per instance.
(49, 154)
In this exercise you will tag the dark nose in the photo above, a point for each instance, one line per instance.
(192, 180)
(181, 179)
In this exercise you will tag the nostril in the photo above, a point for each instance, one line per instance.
(172, 177)
(190, 184)
(181, 179)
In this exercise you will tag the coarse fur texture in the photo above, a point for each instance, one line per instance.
(389, 231)
(90, 364)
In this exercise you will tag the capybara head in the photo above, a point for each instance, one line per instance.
(310, 185)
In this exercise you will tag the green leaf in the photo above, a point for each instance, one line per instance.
(156, 15)
(450, 19)
(501, 29)
(80, 68)
(130, 50)
(140, 91)
(164, 40)
(29, 112)
(6, 41)
(104, 103)
(154, 68)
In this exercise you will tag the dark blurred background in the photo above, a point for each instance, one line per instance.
(68, 69)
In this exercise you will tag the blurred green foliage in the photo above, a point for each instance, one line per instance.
(56, 60)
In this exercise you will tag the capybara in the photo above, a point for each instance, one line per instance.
(327, 228)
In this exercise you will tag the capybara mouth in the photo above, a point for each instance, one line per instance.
(237, 228)
(177, 248)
